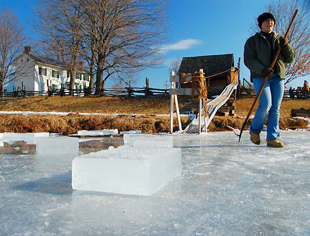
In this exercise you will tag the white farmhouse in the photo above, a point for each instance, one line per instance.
(37, 73)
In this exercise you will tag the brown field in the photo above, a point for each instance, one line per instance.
(129, 114)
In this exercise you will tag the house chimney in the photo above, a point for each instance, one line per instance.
(82, 63)
(27, 49)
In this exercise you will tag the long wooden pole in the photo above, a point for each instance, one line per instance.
(266, 78)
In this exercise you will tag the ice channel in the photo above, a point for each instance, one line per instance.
(225, 188)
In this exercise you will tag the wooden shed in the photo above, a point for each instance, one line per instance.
(220, 67)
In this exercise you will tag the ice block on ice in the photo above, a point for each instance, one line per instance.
(57, 145)
(126, 170)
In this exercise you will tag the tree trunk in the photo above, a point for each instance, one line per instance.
(91, 80)
(72, 81)
(103, 86)
(99, 80)
(99, 74)
(1, 87)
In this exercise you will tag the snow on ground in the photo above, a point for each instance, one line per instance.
(226, 188)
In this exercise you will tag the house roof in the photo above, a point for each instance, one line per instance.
(211, 65)
(52, 62)
(46, 60)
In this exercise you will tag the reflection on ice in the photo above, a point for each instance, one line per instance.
(226, 188)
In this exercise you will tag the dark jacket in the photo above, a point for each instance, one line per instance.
(257, 55)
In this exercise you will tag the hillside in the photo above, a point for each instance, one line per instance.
(122, 113)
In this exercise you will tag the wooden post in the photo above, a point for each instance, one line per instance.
(129, 89)
(177, 111)
(237, 91)
(174, 99)
(147, 87)
(199, 116)
(171, 108)
(205, 117)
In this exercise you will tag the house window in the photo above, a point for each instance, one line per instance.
(68, 74)
(77, 76)
(55, 73)
(42, 71)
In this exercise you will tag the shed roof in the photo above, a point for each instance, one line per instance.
(211, 65)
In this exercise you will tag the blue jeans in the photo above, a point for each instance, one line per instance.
(269, 104)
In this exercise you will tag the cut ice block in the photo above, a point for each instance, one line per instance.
(148, 140)
(131, 132)
(126, 170)
(29, 138)
(57, 145)
(98, 132)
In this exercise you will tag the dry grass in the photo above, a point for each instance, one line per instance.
(73, 123)
(120, 105)
(243, 106)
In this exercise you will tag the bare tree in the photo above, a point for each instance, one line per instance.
(175, 65)
(12, 41)
(60, 26)
(299, 35)
(125, 34)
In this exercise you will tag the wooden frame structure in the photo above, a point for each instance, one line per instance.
(174, 92)
(211, 107)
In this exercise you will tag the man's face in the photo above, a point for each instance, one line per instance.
(268, 25)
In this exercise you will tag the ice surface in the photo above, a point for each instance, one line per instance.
(57, 145)
(226, 188)
(126, 170)
(148, 140)
(98, 132)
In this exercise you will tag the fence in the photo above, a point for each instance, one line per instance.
(296, 94)
(128, 91)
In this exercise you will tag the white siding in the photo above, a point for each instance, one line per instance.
(33, 81)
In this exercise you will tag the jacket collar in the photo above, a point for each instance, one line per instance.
(275, 34)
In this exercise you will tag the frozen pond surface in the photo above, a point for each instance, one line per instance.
(225, 188)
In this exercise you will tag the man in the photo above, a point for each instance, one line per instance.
(259, 52)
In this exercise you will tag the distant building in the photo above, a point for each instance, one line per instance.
(37, 73)
(220, 67)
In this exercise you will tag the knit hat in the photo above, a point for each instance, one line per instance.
(264, 17)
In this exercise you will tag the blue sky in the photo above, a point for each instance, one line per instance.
(198, 28)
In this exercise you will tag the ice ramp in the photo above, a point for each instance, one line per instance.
(212, 107)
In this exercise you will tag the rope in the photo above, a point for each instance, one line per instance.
(199, 85)
(217, 74)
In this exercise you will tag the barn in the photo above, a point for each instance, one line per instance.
(219, 70)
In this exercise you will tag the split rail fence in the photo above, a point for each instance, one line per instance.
(128, 91)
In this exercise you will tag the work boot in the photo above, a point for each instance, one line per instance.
(275, 143)
(255, 138)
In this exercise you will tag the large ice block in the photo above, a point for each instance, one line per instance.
(148, 140)
(57, 145)
(29, 138)
(126, 170)
(98, 132)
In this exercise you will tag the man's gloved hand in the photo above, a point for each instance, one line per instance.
(267, 72)
(283, 42)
